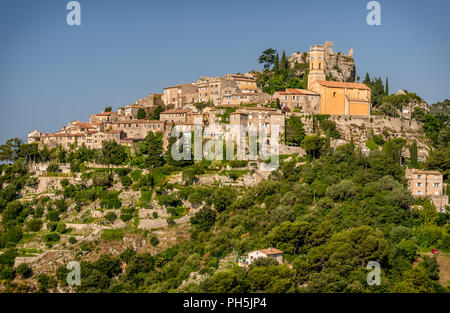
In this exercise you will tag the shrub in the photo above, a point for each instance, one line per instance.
(51, 238)
(7, 273)
(110, 217)
(53, 216)
(126, 217)
(61, 205)
(126, 181)
(112, 234)
(53, 168)
(61, 228)
(342, 191)
(154, 241)
(51, 226)
(34, 225)
(72, 240)
(24, 270)
(155, 214)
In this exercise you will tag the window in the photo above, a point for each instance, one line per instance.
(419, 184)
(419, 193)
(419, 176)
(334, 94)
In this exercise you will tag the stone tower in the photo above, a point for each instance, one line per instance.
(316, 64)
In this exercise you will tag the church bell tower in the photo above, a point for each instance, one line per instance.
(316, 64)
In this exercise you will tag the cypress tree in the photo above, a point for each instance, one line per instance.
(367, 80)
(276, 66)
(283, 61)
(387, 87)
(414, 162)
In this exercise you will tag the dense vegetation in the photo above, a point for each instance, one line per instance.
(330, 216)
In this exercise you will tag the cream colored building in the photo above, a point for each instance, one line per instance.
(104, 117)
(302, 100)
(273, 253)
(138, 129)
(428, 184)
(257, 117)
(175, 115)
(179, 95)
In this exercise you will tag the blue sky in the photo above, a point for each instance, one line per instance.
(52, 73)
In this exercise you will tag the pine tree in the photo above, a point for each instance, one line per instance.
(276, 66)
(387, 87)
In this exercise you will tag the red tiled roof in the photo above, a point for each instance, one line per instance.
(175, 111)
(416, 171)
(137, 122)
(104, 114)
(290, 91)
(270, 251)
(343, 84)
(85, 125)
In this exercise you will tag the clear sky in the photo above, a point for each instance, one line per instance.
(52, 73)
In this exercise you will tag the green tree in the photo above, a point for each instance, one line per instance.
(267, 58)
(295, 132)
(386, 87)
(113, 153)
(312, 145)
(155, 150)
(204, 219)
(276, 66)
(284, 62)
(157, 112)
(414, 162)
(141, 114)
(108, 109)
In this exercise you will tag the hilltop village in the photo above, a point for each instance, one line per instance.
(362, 176)
(234, 99)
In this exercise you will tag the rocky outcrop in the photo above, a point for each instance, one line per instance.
(338, 66)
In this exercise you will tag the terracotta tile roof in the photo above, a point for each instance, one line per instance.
(176, 111)
(343, 84)
(85, 125)
(416, 171)
(259, 109)
(104, 114)
(270, 251)
(137, 122)
(290, 91)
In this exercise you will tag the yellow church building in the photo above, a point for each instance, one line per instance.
(336, 98)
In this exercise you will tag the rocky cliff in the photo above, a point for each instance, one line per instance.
(338, 66)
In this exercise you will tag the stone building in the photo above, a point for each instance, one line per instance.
(241, 98)
(179, 95)
(175, 115)
(428, 184)
(301, 100)
(138, 129)
(257, 117)
(104, 117)
(336, 98)
(230, 89)
(91, 139)
(273, 253)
